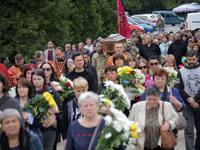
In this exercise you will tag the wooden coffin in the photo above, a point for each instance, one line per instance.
(108, 43)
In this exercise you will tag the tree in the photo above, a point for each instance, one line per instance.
(26, 26)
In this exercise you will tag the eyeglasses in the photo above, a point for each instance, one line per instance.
(143, 67)
(46, 69)
(69, 62)
(36, 70)
(154, 64)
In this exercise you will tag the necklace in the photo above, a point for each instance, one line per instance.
(58, 65)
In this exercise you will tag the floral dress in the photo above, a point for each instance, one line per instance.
(152, 128)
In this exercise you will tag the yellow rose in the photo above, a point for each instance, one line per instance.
(134, 135)
(48, 98)
(133, 127)
(45, 94)
(52, 104)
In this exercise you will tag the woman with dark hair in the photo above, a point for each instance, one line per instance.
(24, 93)
(69, 66)
(48, 72)
(184, 38)
(118, 60)
(28, 70)
(144, 67)
(40, 86)
(5, 100)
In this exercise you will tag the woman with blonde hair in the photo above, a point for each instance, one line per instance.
(71, 111)
(170, 61)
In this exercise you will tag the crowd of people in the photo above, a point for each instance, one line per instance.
(89, 66)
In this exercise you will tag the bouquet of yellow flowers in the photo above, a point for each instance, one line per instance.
(118, 130)
(42, 106)
(131, 79)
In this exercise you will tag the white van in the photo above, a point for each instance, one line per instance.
(193, 21)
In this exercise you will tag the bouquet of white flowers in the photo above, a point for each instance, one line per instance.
(172, 74)
(114, 96)
(118, 130)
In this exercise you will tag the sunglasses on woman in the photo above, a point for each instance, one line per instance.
(46, 69)
(142, 67)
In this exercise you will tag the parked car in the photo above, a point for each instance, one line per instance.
(152, 17)
(193, 21)
(133, 28)
(139, 20)
(146, 20)
(170, 17)
(147, 28)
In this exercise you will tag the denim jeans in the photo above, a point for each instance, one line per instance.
(160, 30)
(192, 117)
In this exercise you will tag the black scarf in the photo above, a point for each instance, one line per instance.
(24, 140)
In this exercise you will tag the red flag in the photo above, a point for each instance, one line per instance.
(122, 21)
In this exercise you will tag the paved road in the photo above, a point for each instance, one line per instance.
(180, 141)
(169, 28)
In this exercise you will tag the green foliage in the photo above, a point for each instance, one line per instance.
(38, 107)
(26, 26)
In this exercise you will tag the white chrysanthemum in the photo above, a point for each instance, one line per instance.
(108, 120)
(108, 135)
(117, 127)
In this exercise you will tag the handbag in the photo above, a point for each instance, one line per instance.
(168, 139)
(94, 134)
(181, 123)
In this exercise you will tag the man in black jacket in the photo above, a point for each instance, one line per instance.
(177, 48)
(80, 71)
(149, 49)
(188, 83)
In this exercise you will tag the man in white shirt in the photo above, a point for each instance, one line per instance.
(89, 45)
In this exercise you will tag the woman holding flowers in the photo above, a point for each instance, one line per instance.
(144, 67)
(40, 87)
(80, 132)
(148, 114)
(71, 111)
(24, 93)
(169, 94)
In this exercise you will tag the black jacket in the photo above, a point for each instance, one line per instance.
(88, 75)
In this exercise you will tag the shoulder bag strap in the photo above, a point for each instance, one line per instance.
(164, 97)
(94, 134)
(163, 114)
